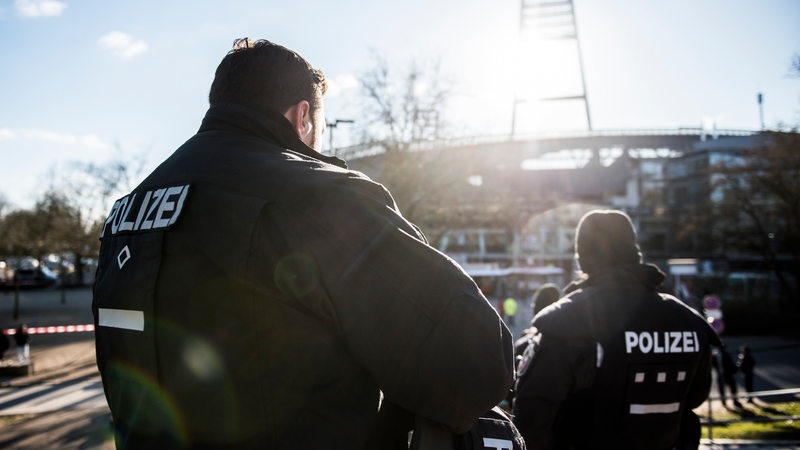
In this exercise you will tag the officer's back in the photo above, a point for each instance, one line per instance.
(615, 364)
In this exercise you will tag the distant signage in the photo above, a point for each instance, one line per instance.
(711, 302)
(683, 266)
(713, 310)
(717, 325)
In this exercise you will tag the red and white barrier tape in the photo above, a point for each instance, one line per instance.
(53, 329)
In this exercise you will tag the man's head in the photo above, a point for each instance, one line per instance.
(606, 238)
(272, 78)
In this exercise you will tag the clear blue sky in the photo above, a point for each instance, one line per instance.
(93, 80)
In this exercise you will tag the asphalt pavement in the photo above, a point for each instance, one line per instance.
(67, 360)
(59, 359)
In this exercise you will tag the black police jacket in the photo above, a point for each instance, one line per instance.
(252, 293)
(614, 364)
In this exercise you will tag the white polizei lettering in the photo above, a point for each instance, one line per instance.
(676, 339)
(662, 342)
(631, 341)
(179, 207)
(499, 444)
(166, 206)
(656, 408)
(645, 348)
(688, 343)
(123, 202)
(656, 347)
(148, 222)
(158, 209)
(142, 209)
(126, 225)
(110, 217)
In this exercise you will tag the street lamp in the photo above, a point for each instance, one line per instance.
(331, 126)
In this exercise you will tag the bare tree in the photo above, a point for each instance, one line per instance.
(757, 207)
(401, 112)
(405, 110)
(70, 213)
(91, 187)
(19, 237)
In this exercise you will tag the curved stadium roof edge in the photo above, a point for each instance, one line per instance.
(631, 138)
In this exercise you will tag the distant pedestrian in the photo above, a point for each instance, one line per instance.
(729, 370)
(746, 364)
(510, 310)
(4, 344)
(23, 341)
(717, 366)
(546, 295)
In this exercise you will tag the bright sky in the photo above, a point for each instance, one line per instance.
(92, 80)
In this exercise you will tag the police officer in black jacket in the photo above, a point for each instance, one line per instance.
(253, 293)
(615, 363)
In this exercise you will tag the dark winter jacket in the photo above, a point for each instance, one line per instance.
(252, 293)
(614, 364)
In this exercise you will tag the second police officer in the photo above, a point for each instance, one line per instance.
(615, 363)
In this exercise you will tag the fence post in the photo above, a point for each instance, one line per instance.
(710, 422)
(16, 297)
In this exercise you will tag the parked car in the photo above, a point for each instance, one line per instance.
(28, 272)
(5, 272)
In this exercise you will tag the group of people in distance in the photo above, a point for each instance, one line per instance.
(255, 293)
(726, 368)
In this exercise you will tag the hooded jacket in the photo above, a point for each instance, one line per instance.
(614, 364)
(253, 293)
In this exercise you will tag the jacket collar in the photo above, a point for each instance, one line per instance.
(270, 126)
(647, 274)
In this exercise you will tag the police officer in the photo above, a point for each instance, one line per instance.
(254, 293)
(615, 363)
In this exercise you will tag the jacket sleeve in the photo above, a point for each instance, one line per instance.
(410, 315)
(553, 369)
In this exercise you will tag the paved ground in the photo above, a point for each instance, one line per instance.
(56, 358)
(81, 428)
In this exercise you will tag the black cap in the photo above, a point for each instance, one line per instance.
(606, 238)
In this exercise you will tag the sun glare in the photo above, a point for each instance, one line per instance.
(548, 87)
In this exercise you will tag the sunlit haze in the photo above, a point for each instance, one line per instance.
(94, 80)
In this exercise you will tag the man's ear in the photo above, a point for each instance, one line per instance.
(300, 118)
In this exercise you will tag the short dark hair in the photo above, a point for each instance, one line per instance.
(266, 76)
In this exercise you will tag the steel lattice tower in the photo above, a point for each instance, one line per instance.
(552, 20)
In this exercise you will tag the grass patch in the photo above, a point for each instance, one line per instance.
(756, 424)
(12, 419)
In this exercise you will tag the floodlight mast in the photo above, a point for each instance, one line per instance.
(553, 20)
